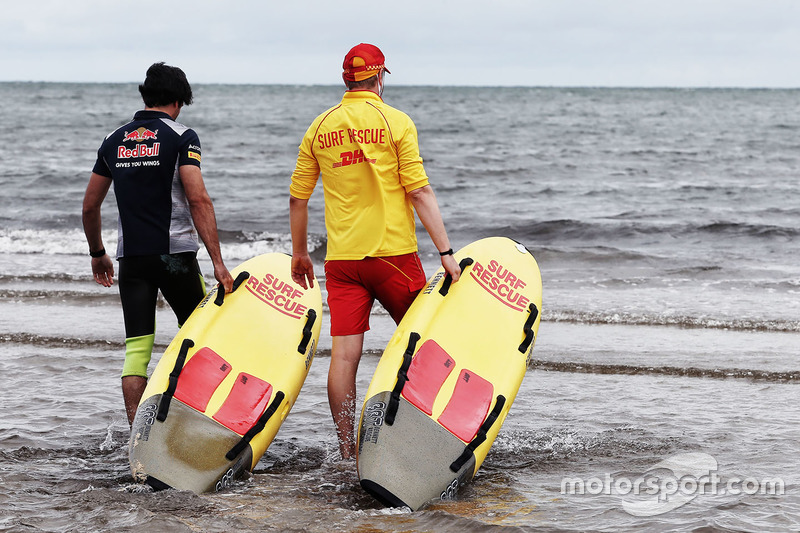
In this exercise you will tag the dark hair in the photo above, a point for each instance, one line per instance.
(363, 84)
(164, 85)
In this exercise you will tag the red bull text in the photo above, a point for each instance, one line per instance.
(141, 150)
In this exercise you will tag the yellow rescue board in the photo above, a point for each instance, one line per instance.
(449, 375)
(227, 381)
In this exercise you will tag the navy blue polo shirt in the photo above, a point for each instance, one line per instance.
(142, 158)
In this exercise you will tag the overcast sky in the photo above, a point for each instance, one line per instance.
(641, 43)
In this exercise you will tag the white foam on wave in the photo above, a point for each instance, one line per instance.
(73, 242)
(51, 241)
(256, 244)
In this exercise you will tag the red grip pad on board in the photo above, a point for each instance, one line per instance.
(244, 405)
(468, 406)
(200, 377)
(428, 371)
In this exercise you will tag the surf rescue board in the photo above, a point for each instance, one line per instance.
(224, 385)
(449, 375)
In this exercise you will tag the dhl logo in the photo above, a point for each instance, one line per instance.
(352, 158)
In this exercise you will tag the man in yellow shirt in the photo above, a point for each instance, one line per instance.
(373, 179)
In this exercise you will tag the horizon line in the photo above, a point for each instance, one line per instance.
(410, 85)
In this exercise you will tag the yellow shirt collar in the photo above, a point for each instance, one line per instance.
(361, 94)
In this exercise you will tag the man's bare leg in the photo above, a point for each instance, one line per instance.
(132, 390)
(345, 356)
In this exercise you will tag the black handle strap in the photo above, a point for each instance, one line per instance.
(311, 317)
(166, 398)
(241, 278)
(402, 377)
(528, 328)
(480, 438)
(448, 279)
(257, 428)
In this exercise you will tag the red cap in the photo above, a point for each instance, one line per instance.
(363, 61)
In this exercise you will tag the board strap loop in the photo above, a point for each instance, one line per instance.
(166, 398)
(528, 328)
(257, 427)
(241, 278)
(402, 377)
(480, 438)
(311, 318)
(448, 279)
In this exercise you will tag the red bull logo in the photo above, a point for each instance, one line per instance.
(141, 150)
(139, 135)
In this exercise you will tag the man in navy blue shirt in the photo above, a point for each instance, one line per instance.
(154, 164)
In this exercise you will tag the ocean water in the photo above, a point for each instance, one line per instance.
(666, 223)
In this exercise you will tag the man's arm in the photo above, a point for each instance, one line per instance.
(424, 202)
(96, 191)
(205, 221)
(302, 267)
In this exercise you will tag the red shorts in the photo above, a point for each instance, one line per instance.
(353, 286)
